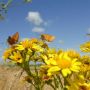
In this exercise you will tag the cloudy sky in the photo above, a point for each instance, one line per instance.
(67, 20)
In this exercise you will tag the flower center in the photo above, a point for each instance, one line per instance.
(62, 63)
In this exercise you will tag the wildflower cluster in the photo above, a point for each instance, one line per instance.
(62, 70)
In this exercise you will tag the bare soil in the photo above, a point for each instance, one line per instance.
(11, 78)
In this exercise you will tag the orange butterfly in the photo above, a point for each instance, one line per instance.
(47, 37)
(13, 39)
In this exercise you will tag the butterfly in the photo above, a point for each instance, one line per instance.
(47, 37)
(13, 39)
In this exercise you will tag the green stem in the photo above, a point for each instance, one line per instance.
(37, 80)
(26, 67)
(55, 83)
(61, 85)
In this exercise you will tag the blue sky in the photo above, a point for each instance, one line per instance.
(68, 20)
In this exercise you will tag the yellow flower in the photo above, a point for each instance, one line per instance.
(67, 64)
(85, 68)
(51, 52)
(37, 47)
(79, 86)
(6, 54)
(73, 54)
(85, 47)
(85, 59)
(16, 56)
(29, 44)
(85, 86)
(78, 82)
(24, 44)
(62, 62)
(49, 61)
(34, 40)
(75, 82)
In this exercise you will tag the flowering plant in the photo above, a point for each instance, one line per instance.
(62, 70)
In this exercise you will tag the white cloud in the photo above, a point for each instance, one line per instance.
(38, 29)
(35, 18)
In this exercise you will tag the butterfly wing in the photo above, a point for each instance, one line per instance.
(10, 41)
(47, 37)
(13, 39)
